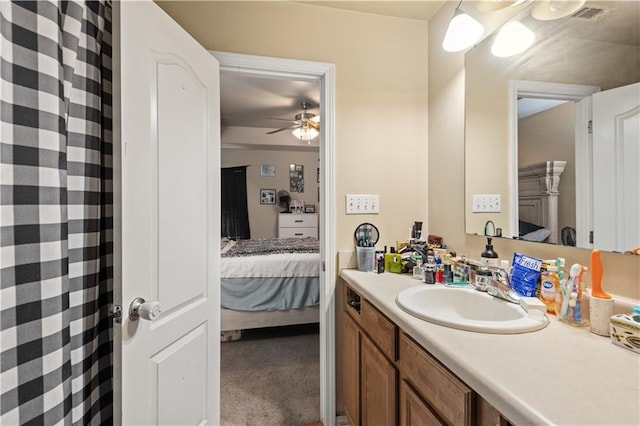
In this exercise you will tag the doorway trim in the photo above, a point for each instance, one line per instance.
(581, 95)
(324, 73)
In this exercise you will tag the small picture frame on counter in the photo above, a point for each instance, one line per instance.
(309, 208)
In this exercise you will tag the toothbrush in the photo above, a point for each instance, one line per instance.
(573, 273)
(577, 313)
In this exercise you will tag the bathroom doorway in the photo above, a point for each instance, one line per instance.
(323, 74)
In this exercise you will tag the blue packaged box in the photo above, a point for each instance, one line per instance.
(525, 271)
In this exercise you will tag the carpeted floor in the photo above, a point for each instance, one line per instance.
(271, 376)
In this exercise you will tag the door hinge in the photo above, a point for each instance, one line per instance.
(323, 270)
(590, 127)
(590, 237)
(115, 313)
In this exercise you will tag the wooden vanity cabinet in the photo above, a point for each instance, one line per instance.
(370, 377)
(390, 379)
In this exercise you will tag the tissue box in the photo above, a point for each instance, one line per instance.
(625, 332)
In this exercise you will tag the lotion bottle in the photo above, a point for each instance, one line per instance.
(489, 256)
(550, 282)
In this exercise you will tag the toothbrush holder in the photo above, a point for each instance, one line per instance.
(601, 311)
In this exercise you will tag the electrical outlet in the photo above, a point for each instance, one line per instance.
(362, 204)
(487, 203)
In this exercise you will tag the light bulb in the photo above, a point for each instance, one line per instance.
(462, 33)
(305, 133)
(513, 38)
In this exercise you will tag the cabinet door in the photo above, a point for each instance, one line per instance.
(414, 411)
(379, 387)
(351, 370)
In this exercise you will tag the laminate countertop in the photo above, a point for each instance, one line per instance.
(558, 375)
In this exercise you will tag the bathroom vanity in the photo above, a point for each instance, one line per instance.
(399, 369)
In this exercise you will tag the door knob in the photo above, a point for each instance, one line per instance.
(140, 308)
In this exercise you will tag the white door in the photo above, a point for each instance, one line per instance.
(170, 221)
(616, 175)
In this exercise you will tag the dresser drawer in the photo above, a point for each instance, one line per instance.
(297, 232)
(380, 329)
(290, 220)
(441, 389)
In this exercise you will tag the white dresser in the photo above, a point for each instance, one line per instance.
(297, 225)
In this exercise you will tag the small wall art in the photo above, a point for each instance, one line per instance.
(296, 177)
(267, 196)
(268, 170)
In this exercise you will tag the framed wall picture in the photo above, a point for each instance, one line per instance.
(268, 170)
(267, 196)
(296, 178)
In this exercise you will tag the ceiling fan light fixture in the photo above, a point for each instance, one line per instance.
(306, 133)
(462, 33)
(513, 38)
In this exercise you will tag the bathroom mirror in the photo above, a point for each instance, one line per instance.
(550, 154)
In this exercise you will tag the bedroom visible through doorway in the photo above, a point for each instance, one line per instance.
(273, 284)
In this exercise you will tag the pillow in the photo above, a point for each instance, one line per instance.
(225, 245)
(538, 235)
(527, 227)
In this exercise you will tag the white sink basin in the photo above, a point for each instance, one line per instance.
(468, 309)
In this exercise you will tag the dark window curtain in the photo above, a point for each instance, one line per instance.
(56, 225)
(235, 214)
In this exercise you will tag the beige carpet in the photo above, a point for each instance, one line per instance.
(271, 376)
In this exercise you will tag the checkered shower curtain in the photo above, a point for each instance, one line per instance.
(55, 212)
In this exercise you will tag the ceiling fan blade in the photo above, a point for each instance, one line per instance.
(283, 129)
(282, 119)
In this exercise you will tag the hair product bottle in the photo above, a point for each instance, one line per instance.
(489, 256)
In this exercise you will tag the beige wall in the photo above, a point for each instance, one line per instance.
(549, 135)
(263, 219)
(381, 94)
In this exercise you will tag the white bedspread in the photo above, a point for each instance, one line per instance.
(272, 265)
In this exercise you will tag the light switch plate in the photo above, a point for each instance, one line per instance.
(487, 203)
(362, 203)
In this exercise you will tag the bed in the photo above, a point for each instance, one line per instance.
(538, 201)
(268, 283)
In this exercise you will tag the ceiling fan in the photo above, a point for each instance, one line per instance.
(306, 125)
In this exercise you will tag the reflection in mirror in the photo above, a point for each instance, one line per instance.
(558, 181)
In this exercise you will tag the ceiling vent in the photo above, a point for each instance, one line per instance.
(591, 13)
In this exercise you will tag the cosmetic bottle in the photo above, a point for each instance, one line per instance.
(489, 256)
(418, 268)
(430, 273)
(438, 271)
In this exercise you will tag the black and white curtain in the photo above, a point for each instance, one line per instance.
(56, 212)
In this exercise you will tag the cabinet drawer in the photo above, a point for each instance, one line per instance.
(380, 329)
(441, 389)
(297, 232)
(290, 220)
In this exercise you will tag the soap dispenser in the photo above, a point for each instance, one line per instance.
(489, 256)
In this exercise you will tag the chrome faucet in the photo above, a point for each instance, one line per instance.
(500, 283)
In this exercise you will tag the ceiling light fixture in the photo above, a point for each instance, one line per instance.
(462, 33)
(494, 5)
(548, 10)
(513, 38)
(306, 133)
